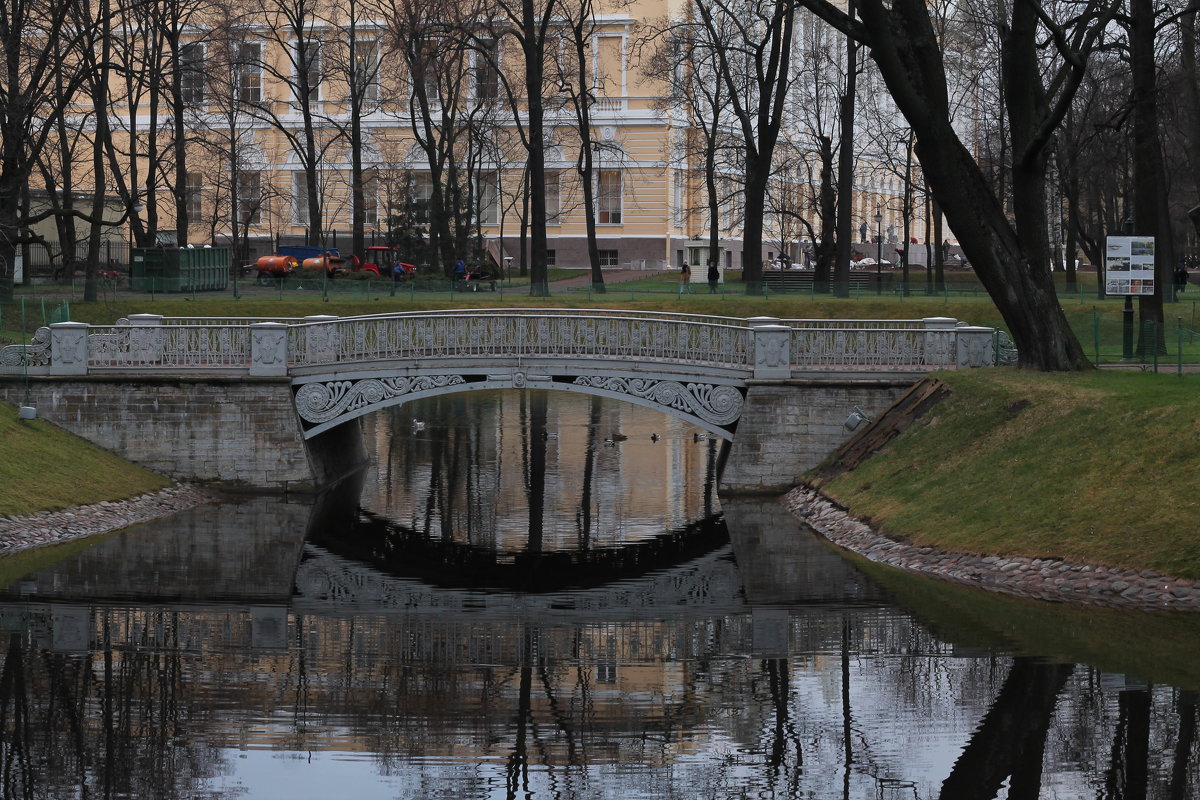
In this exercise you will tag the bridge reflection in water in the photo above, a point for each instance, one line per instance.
(266, 649)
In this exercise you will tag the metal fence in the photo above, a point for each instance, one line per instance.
(47, 261)
(21, 317)
(1171, 345)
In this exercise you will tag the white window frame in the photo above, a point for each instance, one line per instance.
(366, 67)
(193, 196)
(487, 193)
(420, 186)
(485, 66)
(315, 81)
(678, 212)
(250, 197)
(249, 65)
(299, 197)
(610, 197)
(553, 197)
(192, 84)
(371, 202)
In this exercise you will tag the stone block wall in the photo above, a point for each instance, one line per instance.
(790, 426)
(242, 432)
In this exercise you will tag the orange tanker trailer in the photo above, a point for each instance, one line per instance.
(273, 268)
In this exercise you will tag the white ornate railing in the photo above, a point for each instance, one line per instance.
(567, 312)
(761, 348)
(510, 335)
(169, 346)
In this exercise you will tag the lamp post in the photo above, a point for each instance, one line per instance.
(878, 251)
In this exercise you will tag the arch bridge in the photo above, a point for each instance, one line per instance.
(312, 375)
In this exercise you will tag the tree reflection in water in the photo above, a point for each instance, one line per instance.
(218, 654)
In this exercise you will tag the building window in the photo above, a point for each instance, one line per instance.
(606, 671)
(427, 70)
(366, 69)
(420, 196)
(488, 195)
(249, 197)
(552, 195)
(550, 262)
(191, 73)
(308, 69)
(370, 198)
(300, 198)
(487, 78)
(249, 72)
(192, 195)
(677, 199)
(608, 197)
(608, 258)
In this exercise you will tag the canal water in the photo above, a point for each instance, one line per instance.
(534, 595)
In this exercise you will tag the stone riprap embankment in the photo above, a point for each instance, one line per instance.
(55, 527)
(1041, 578)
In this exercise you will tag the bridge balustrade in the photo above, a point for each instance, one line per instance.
(507, 336)
(761, 347)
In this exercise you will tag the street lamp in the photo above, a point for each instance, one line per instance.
(878, 251)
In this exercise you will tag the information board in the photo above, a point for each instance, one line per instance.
(1129, 265)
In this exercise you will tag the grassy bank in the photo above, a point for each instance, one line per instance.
(1097, 467)
(44, 468)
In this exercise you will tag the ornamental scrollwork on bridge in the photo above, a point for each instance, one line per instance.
(322, 402)
(34, 354)
(716, 404)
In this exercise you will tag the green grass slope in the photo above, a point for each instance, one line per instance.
(1099, 467)
(43, 468)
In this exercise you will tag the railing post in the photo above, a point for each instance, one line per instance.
(146, 344)
(939, 341)
(68, 348)
(145, 319)
(974, 347)
(772, 350)
(268, 349)
(320, 341)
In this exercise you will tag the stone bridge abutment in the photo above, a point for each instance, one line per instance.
(276, 404)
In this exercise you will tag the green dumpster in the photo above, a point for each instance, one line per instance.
(180, 269)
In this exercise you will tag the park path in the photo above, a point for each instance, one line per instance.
(611, 276)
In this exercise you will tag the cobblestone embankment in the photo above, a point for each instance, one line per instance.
(1041, 578)
(55, 527)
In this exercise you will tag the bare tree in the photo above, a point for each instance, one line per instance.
(531, 26)
(753, 61)
(1011, 258)
(684, 58)
(449, 68)
(41, 76)
(290, 55)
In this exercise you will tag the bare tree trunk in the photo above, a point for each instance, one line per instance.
(1011, 261)
(845, 178)
(1149, 175)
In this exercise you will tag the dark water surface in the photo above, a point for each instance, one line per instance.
(542, 597)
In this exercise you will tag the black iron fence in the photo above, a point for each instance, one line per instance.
(50, 261)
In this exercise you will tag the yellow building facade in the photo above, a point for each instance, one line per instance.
(254, 149)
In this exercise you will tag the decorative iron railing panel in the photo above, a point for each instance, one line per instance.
(169, 347)
(486, 336)
(842, 349)
(740, 322)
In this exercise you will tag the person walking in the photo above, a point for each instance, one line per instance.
(685, 279)
(714, 276)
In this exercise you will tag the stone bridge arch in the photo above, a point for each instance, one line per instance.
(712, 403)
